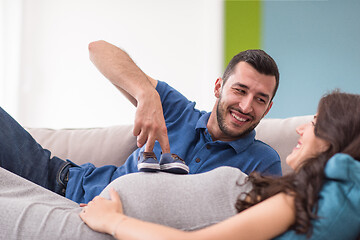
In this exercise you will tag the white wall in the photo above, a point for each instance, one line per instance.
(177, 41)
(10, 32)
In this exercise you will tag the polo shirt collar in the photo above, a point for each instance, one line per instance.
(238, 145)
(244, 142)
(202, 122)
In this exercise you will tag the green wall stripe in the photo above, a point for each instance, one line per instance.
(242, 28)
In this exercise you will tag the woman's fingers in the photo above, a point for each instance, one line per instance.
(114, 196)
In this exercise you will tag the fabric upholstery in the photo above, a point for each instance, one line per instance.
(100, 146)
(112, 145)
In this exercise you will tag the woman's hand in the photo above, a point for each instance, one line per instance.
(101, 214)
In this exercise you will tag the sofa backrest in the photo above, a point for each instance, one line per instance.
(112, 145)
(281, 135)
(100, 146)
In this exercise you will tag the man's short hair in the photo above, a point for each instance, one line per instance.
(259, 60)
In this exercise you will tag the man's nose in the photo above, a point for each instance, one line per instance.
(246, 104)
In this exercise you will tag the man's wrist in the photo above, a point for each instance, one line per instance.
(148, 95)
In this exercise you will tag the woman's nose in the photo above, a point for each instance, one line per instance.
(300, 129)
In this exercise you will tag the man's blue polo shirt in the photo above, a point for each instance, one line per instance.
(190, 139)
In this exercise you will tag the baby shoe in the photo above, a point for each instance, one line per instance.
(147, 162)
(172, 163)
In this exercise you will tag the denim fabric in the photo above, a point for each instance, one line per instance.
(22, 155)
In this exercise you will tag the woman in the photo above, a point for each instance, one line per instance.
(274, 205)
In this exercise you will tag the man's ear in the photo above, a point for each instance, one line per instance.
(218, 85)
(268, 109)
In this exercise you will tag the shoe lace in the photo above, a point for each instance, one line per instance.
(149, 155)
(176, 157)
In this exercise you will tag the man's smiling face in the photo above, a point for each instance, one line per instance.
(242, 102)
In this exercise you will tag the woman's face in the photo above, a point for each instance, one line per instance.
(308, 145)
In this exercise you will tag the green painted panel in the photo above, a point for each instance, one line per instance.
(242, 28)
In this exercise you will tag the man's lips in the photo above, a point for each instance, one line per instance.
(240, 116)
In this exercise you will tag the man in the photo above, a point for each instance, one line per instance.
(163, 118)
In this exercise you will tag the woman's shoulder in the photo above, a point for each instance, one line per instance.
(339, 201)
(343, 167)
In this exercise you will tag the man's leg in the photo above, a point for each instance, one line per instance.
(22, 155)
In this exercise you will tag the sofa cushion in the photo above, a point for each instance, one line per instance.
(100, 146)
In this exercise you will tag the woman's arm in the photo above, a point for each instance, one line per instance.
(263, 221)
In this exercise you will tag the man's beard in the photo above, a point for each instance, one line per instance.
(220, 114)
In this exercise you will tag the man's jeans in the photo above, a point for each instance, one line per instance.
(22, 155)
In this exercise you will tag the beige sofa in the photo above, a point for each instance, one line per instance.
(112, 145)
(338, 200)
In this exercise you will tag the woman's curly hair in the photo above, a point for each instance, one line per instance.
(338, 122)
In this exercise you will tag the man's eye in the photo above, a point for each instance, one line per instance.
(240, 91)
(261, 100)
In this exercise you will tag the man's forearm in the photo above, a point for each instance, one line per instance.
(120, 69)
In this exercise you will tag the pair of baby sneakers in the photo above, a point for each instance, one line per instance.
(169, 162)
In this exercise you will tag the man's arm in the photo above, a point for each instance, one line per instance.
(120, 69)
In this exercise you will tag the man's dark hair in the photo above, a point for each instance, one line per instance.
(259, 60)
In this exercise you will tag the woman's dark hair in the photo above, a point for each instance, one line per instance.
(338, 122)
(258, 59)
